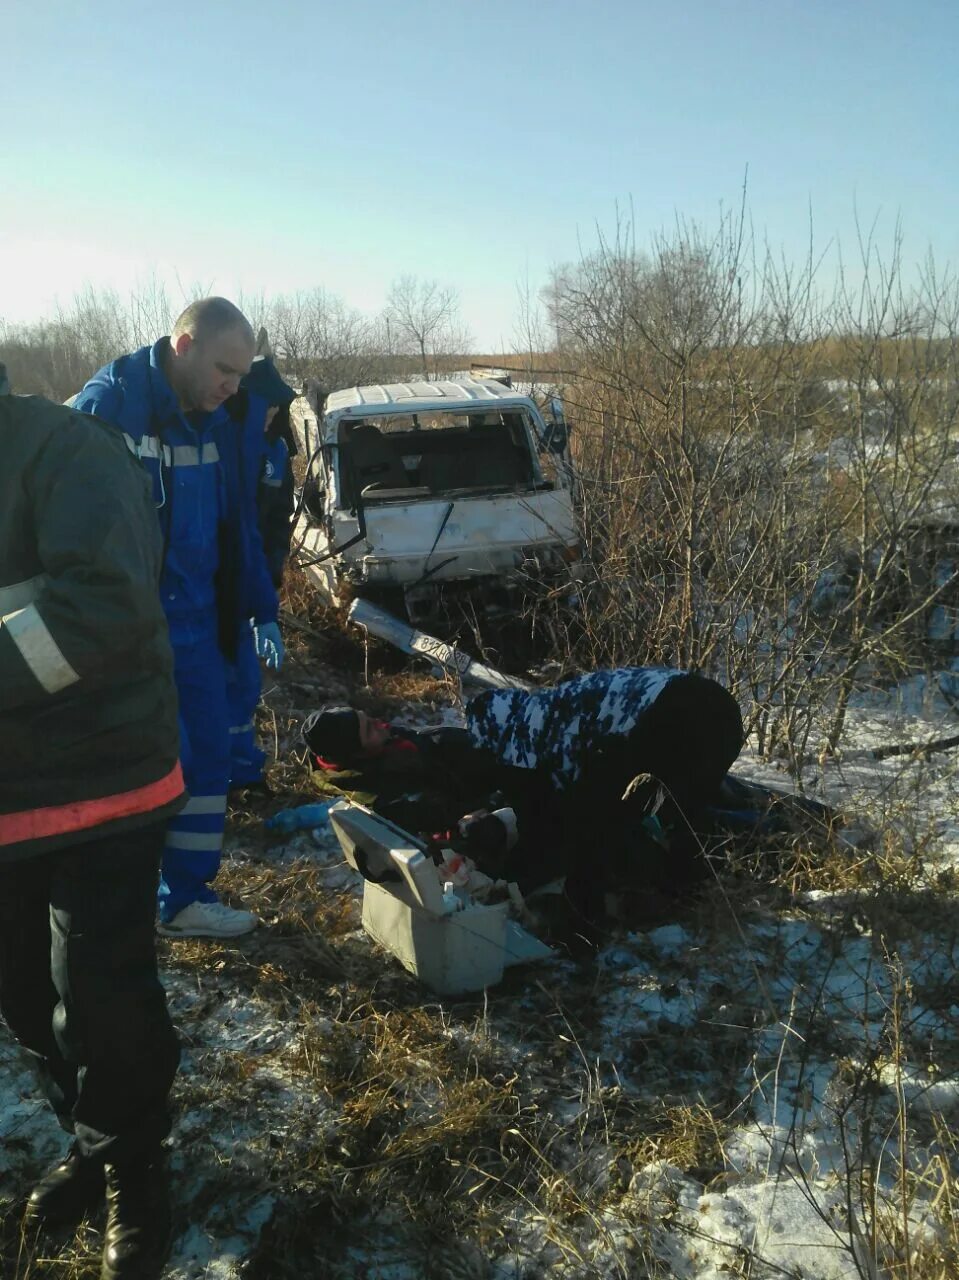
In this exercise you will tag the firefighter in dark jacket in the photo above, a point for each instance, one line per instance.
(89, 775)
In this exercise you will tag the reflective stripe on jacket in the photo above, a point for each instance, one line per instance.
(198, 490)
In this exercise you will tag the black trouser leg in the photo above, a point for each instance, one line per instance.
(108, 1052)
(687, 740)
(27, 994)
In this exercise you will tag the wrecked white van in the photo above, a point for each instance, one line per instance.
(422, 496)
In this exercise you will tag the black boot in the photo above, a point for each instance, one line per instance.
(70, 1191)
(138, 1233)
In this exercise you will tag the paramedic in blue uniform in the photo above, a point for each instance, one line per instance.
(170, 402)
(263, 402)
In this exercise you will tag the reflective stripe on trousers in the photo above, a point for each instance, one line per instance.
(194, 839)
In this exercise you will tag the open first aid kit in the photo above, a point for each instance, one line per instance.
(425, 913)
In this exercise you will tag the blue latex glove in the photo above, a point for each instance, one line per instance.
(305, 815)
(269, 644)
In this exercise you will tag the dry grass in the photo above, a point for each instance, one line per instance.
(438, 1135)
(687, 1135)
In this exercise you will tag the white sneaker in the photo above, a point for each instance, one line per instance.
(208, 920)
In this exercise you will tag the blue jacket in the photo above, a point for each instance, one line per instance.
(275, 502)
(215, 574)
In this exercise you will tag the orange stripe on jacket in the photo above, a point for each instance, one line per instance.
(36, 824)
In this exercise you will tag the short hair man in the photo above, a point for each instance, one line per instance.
(88, 777)
(170, 401)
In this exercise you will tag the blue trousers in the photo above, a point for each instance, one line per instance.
(243, 694)
(194, 840)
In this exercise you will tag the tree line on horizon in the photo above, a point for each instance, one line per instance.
(314, 334)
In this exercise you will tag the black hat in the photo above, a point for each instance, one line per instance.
(333, 733)
(264, 381)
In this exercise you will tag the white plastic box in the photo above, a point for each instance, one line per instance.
(450, 943)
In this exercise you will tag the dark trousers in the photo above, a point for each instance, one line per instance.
(79, 988)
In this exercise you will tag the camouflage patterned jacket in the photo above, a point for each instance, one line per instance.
(560, 729)
(584, 763)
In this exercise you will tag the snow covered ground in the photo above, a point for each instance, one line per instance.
(763, 1087)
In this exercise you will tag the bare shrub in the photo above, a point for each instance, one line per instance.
(55, 357)
(756, 462)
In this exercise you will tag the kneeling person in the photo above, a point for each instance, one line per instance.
(585, 762)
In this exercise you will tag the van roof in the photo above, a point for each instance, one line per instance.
(421, 397)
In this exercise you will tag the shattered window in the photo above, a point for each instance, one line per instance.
(437, 452)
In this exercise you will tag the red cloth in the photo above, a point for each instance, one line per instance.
(393, 746)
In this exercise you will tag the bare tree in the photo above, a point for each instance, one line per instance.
(150, 313)
(257, 308)
(423, 319)
(55, 357)
(289, 328)
(317, 336)
(755, 464)
(531, 339)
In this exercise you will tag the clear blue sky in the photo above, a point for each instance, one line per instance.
(278, 146)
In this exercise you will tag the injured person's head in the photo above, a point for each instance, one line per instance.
(342, 735)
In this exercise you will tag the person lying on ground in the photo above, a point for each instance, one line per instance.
(584, 766)
(421, 779)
